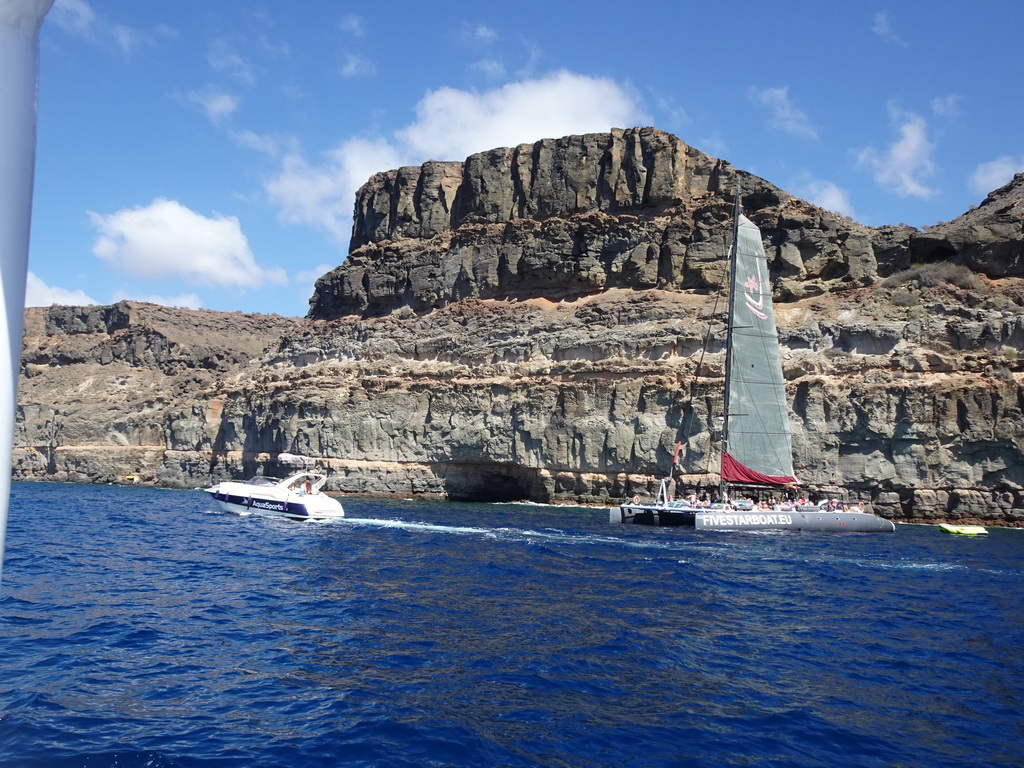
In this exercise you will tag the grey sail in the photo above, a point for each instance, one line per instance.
(759, 447)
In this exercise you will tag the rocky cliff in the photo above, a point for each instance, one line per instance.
(530, 323)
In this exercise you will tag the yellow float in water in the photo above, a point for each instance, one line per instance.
(964, 530)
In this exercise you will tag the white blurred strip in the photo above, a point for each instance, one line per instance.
(19, 75)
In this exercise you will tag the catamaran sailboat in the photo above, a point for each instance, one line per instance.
(756, 444)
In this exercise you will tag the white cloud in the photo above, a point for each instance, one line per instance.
(312, 275)
(829, 196)
(353, 25)
(907, 163)
(223, 57)
(76, 17)
(713, 145)
(272, 145)
(481, 33)
(323, 195)
(39, 294)
(185, 300)
(669, 106)
(357, 66)
(217, 104)
(450, 124)
(782, 113)
(128, 39)
(306, 279)
(946, 106)
(988, 177)
(882, 25)
(491, 68)
(165, 239)
(276, 50)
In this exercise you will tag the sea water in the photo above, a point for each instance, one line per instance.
(141, 627)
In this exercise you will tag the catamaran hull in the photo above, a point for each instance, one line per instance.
(705, 520)
(651, 514)
(860, 522)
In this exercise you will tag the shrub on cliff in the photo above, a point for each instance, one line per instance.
(934, 275)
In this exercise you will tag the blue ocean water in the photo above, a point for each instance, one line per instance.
(139, 627)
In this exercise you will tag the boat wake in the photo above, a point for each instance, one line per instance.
(515, 534)
(627, 540)
(405, 525)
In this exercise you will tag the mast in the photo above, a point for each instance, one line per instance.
(728, 339)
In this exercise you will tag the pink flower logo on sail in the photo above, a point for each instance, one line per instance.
(753, 285)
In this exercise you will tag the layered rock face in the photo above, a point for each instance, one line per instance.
(538, 322)
(112, 392)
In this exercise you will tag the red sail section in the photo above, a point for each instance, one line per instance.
(734, 472)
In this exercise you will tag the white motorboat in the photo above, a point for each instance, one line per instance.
(298, 497)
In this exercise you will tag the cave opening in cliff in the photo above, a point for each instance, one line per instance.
(490, 484)
(941, 253)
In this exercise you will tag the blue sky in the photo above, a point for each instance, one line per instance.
(206, 154)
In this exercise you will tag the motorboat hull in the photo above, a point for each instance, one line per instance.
(271, 507)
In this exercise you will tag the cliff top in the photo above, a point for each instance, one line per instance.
(636, 209)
